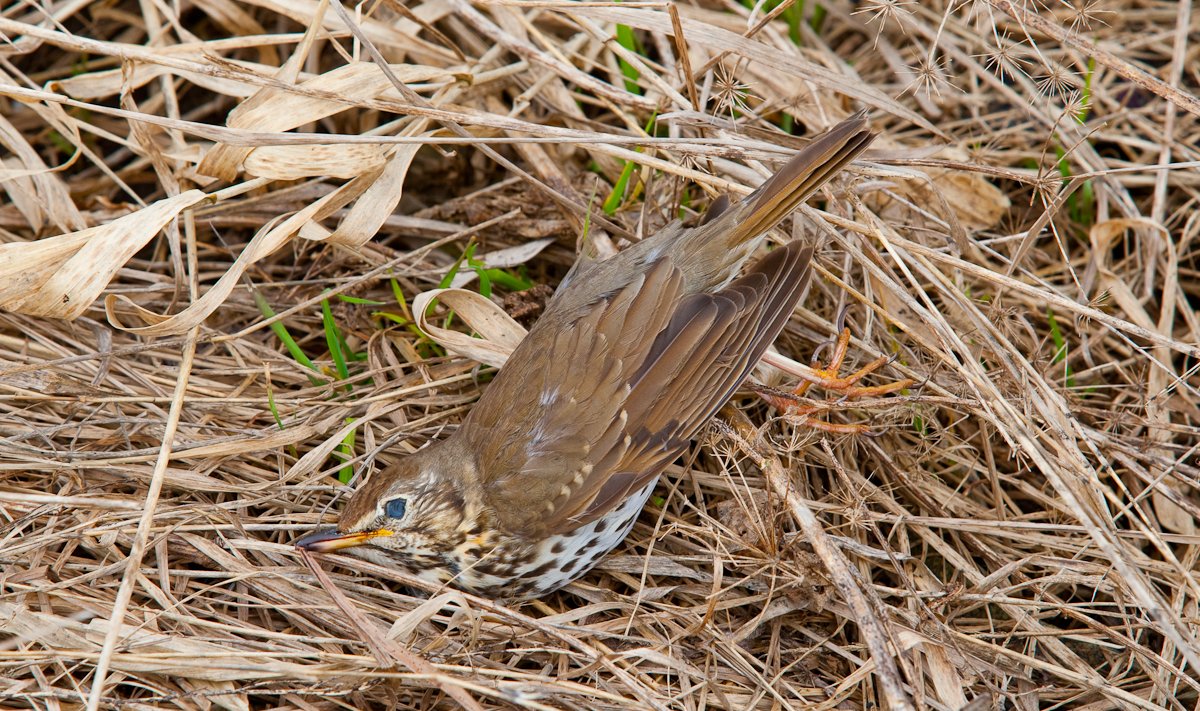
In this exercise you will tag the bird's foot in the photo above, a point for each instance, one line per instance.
(800, 410)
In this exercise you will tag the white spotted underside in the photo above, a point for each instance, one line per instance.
(562, 558)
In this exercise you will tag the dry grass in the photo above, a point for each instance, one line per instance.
(1023, 237)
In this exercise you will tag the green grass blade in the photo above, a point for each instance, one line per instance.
(508, 280)
(358, 301)
(346, 450)
(273, 407)
(285, 337)
(337, 344)
(465, 257)
(1085, 98)
(617, 196)
(1060, 348)
(485, 277)
(626, 39)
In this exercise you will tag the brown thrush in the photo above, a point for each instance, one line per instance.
(632, 357)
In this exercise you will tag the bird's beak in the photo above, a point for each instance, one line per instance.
(331, 540)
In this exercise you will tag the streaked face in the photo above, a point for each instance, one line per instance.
(405, 517)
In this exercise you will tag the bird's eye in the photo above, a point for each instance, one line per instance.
(395, 508)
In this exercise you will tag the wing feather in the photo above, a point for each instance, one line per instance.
(678, 407)
(617, 395)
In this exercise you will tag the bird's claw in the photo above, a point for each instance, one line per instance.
(829, 378)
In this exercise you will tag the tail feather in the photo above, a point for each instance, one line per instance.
(798, 179)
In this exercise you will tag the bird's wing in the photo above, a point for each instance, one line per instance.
(614, 395)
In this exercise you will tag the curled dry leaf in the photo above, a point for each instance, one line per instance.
(499, 333)
(406, 625)
(45, 194)
(296, 162)
(273, 110)
(61, 276)
(268, 239)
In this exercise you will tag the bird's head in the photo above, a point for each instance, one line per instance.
(410, 514)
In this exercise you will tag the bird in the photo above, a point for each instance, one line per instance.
(631, 358)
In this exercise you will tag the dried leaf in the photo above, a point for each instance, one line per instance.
(296, 162)
(499, 333)
(273, 110)
(61, 276)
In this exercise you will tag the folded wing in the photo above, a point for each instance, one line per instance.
(623, 389)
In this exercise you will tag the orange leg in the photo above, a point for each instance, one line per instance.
(829, 378)
(793, 409)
